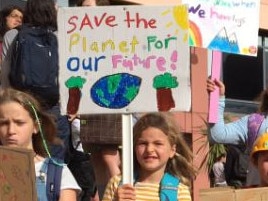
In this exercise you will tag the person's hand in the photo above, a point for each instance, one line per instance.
(71, 117)
(126, 192)
(212, 84)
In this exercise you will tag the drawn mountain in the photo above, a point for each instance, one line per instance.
(233, 42)
(225, 43)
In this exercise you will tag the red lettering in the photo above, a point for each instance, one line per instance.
(71, 22)
(109, 21)
(86, 21)
(91, 22)
(152, 23)
(139, 22)
(98, 22)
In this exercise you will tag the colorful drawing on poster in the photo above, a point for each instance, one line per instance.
(104, 45)
(177, 13)
(115, 91)
(195, 36)
(240, 20)
(74, 84)
(224, 42)
(163, 84)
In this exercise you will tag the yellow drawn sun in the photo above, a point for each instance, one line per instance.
(180, 16)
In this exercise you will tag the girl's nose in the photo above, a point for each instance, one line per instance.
(150, 148)
(11, 129)
(19, 20)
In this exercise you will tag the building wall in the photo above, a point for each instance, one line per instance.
(264, 14)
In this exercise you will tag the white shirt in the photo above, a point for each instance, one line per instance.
(67, 179)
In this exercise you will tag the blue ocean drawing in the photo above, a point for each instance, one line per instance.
(115, 91)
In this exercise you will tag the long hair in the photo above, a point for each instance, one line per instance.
(4, 13)
(41, 13)
(263, 107)
(181, 164)
(47, 122)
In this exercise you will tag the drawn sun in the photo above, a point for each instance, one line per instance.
(180, 14)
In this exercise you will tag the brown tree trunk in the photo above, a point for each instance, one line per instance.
(164, 99)
(73, 101)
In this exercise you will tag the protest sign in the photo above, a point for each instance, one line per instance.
(124, 59)
(225, 25)
(17, 174)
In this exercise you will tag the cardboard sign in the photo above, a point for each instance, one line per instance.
(17, 175)
(124, 59)
(224, 194)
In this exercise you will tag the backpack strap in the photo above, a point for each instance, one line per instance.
(168, 190)
(169, 187)
(254, 123)
(54, 173)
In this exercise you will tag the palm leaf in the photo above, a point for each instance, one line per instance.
(214, 151)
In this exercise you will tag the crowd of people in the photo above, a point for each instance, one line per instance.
(160, 152)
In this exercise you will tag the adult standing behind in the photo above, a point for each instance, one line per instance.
(236, 165)
(39, 14)
(24, 124)
(10, 17)
(218, 170)
(236, 132)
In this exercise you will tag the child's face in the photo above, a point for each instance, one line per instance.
(263, 167)
(153, 150)
(16, 126)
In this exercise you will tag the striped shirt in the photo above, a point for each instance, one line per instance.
(144, 191)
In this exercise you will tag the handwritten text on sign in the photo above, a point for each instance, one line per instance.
(124, 59)
(225, 25)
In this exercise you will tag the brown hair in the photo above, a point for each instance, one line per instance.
(181, 164)
(3, 15)
(47, 122)
(263, 108)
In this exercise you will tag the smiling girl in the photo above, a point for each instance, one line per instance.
(159, 148)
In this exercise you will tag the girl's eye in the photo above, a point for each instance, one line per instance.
(141, 143)
(20, 123)
(2, 122)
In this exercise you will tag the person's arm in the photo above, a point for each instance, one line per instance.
(69, 187)
(68, 195)
(230, 133)
(6, 56)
